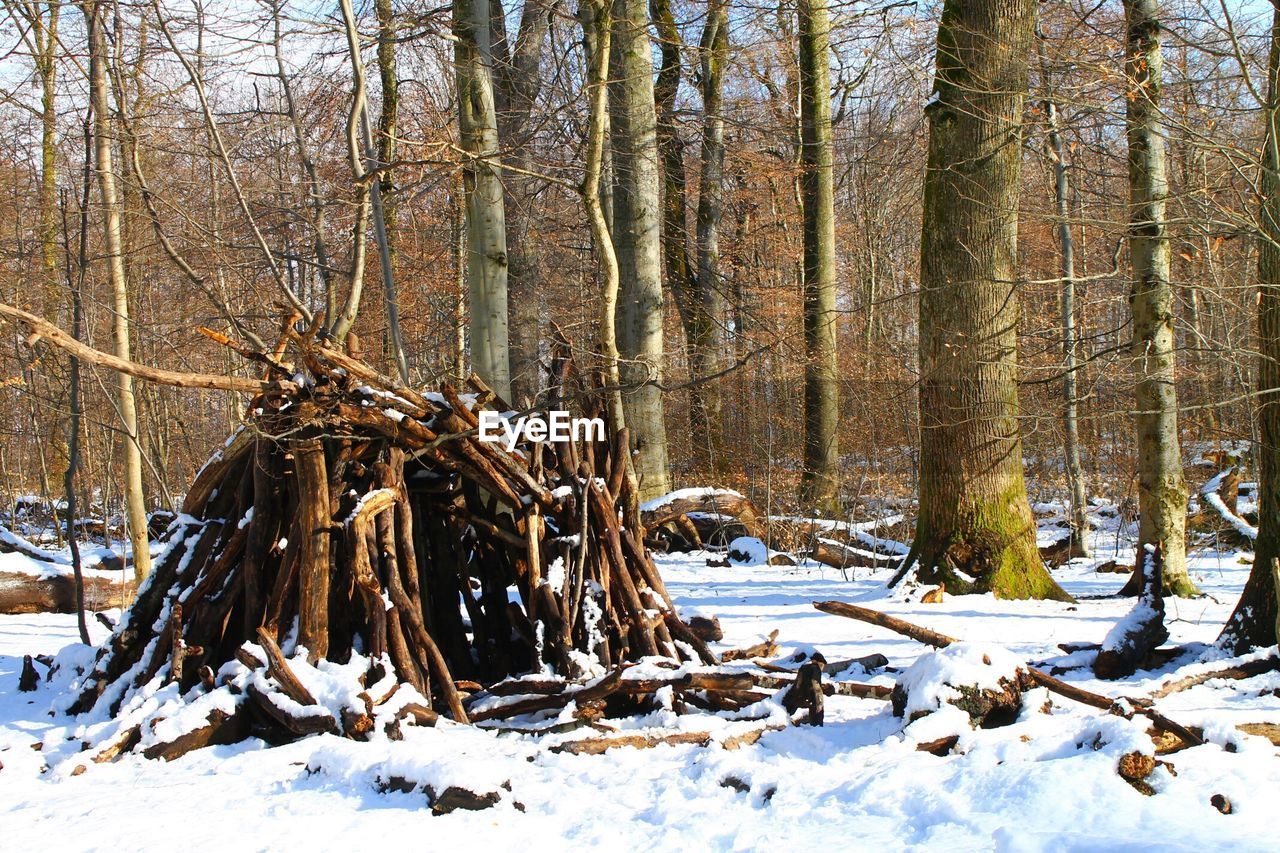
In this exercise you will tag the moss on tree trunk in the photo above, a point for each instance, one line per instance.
(975, 530)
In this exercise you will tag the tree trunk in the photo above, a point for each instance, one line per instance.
(1079, 545)
(46, 42)
(636, 237)
(709, 302)
(385, 153)
(1162, 494)
(486, 217)
(819, 481)
(135, 500)
(1255, 620)
(518, 82)
(975, 530)
(75, 283)
(694, 291)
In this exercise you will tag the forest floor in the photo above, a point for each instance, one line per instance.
(1048, 781)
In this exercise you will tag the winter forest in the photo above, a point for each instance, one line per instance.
(718, 423)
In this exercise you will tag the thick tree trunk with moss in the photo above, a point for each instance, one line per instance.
(1162, 494)
(819, 480)
(975, 530)
(636, 236)
(1255, 620)
(486, 212)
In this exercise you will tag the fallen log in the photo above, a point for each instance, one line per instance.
(600, 745)
(56, 593)
(1054, 685)
(1142, 630)
(1270, 731)
(220, 728)
(1241, 671)
(715, 503)
(884, 620)
(766, 648)
(300, 725)
(838, 556)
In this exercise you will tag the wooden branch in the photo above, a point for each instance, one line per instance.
(312, 484)
(1240, 671)
(875, 617)
(301, 726)
(278, 668)
(44, 329)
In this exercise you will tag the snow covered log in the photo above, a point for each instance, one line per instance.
(33, 580)
(985, 682)
(55, 592)
(1142, 629)
(356, 532)
(704, 515)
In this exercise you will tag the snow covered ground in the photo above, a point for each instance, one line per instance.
(1047, 782)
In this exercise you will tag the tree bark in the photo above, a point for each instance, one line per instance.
(975, 530)
(819, 480)
(694, 292)
(486, 212)
(388, 124)
(75, 283)
(709, 302)
(1079, 545)
(1256, 619)
(518, 82)
(135, 498)
(313, 550)
(1162, 494)
(636, 236)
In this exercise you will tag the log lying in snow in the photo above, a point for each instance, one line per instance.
(710, 508)
(1142, 629)
(50, 587)
(836, 555)
(1249, 669)
(597, 746)
(220, 728)
(1187, 736)
(56, 593)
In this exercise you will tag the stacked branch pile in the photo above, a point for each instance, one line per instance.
(352, 519)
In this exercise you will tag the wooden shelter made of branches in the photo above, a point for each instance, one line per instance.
(353, 516)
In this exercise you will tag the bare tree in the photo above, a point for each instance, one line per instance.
(636, 236)
(819, 479)
(519, 76)
(99, 86)
(1079, 544)
(486, 216)
(1162, 493)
